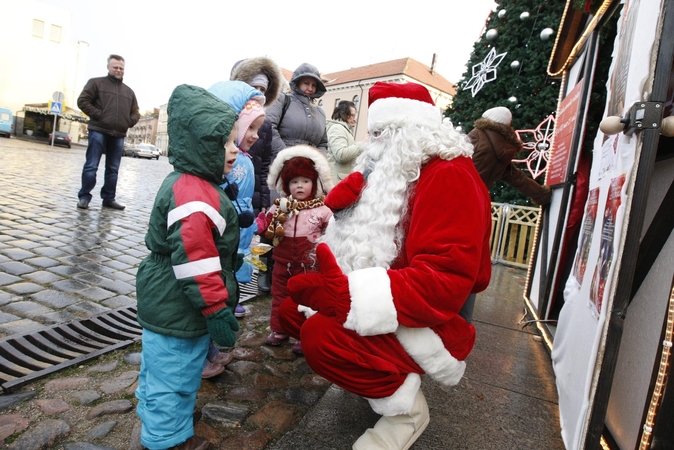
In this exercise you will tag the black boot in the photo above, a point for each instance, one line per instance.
(264, 277)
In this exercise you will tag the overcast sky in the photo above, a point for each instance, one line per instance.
(167, 43)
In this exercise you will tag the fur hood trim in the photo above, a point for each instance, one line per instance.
(506, 131)
(246, 69)
(321, 164)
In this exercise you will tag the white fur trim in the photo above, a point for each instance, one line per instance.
(427, 349)
(401, 401)
(308, 312)
(372, 309)
(408, 111)
(321, 163)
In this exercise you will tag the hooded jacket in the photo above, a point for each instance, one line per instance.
(495, 145)
(261, 151)
(193, 231)
(110, 104)
(303, 122)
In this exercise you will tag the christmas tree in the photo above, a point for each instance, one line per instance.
(508, 67)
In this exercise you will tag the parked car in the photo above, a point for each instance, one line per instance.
(146, 151)
(60, 138)
(6, 122)
(128, 150)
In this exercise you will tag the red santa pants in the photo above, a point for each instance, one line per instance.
(369, 366)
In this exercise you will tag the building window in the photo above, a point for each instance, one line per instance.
(337, 100)
(38, 28)
(55, 34)
(356, 101)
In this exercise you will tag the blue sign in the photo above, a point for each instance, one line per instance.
(56, 108)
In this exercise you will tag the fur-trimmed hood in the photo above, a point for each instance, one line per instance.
(506, 131)
(246, 69)
(322, 166)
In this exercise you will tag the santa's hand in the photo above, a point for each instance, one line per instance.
(326, 291)
(346, 193)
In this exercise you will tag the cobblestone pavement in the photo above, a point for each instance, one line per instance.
(59, 264)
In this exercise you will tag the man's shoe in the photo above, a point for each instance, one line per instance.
(193, 443)
(297, 348)
(212, 370)
(114, 205)
(239, 311)
(83, 203)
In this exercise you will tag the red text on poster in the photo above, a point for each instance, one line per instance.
(566, 121)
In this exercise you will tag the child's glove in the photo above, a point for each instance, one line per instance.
(326, 291)
(261, 223)
(346, 192)
(222, 326)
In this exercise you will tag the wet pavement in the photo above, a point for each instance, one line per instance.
(60, 264)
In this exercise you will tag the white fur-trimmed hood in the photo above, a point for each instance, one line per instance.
(325, 182)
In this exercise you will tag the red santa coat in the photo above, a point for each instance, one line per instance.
(406, 319)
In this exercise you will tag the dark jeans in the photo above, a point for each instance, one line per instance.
(467, 310)
(112, 147)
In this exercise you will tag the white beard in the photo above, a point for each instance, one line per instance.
(369, 234)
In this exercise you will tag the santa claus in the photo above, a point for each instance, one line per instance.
(409, 243)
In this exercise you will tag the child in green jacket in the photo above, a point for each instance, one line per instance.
(186, 286)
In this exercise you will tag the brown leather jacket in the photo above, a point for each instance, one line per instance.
(110, 104)
(496, 145)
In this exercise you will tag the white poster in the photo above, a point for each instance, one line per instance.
(588, 294)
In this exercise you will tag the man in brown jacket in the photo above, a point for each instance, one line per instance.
(496, 144)
(112, 109)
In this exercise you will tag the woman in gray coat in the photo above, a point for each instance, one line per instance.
(298, 120)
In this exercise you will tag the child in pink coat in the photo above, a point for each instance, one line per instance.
(301, 175)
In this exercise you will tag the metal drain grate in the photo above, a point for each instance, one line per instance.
(35, 355)
(31, 356)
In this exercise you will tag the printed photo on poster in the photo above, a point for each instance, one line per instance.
(603, 267)
(609, 156)
(580, 264)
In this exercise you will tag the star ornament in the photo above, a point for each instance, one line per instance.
(538, 142)
(484, 72)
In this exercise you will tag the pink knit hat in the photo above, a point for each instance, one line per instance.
(248, 114)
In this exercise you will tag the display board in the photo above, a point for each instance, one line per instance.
(580, 337)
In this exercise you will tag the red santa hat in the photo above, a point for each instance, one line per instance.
(407, 103)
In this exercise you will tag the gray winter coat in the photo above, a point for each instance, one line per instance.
(303, 122)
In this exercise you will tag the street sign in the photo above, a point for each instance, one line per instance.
(56, 108)
(58, 96)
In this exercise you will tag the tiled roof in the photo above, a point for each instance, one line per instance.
(405, 66)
